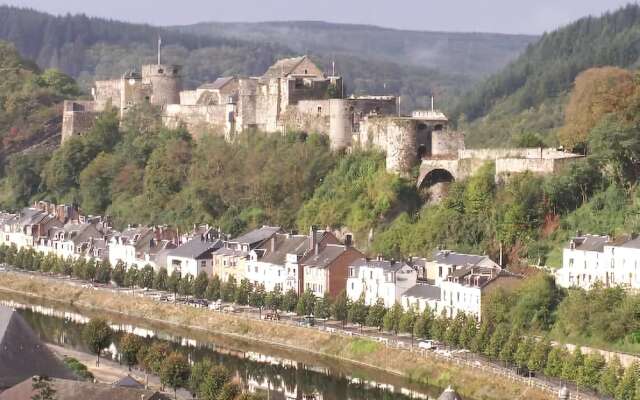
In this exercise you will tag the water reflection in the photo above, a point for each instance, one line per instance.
(275, 376)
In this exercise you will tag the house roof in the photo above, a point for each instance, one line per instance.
(633, 243)
(285, 244)
(430, 292)
(589, 242)
(452, 258)
(196, 248)
(386, 265)
(129, 382)
(226, 251)
(283, 67)
(76, 390)
(257, 236)
(22, 354)
(218, 83)
(325, 256)
(449, 394)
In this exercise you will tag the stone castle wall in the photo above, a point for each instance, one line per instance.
(78, 117)
(165, 81)
(446, 144)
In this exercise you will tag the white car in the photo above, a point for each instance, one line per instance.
(426, 345)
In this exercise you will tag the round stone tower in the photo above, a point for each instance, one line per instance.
(340, 124)
(401, 145)
(165, 81)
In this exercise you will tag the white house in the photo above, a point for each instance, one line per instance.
(464, 289)
(446, 262)
(73, 240)
(193, 256)
(420, 297)
(379, 279)
(591, 259)
(130, 246)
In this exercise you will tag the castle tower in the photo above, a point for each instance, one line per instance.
(165, 81)
(340, 124)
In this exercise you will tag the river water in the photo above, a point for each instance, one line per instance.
(279, 373)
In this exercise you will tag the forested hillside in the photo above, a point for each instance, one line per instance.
(88, 48)
(474, 55)
(529, 95)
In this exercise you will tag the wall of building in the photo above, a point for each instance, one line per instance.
(446, 144)
(107, 92)
(196, 118)
(78, 117)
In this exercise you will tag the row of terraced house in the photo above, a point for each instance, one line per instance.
(317, 261)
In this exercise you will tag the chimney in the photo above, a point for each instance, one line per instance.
(273, 243)
(316, 249)
(348, 240)
(312, 238)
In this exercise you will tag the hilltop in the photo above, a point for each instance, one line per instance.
(529, 95)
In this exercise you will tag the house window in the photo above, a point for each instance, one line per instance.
(440, 271)
(203, 264)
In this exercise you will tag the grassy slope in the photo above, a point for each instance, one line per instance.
(432, 371)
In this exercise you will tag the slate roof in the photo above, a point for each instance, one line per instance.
(386, 265)
(633, 243)
(76, 390)
(283, 67)
(226, 251)
(22, 354)
(196, 248)
(285, 244)
(217, 84)
(424, 292)
(452, 258)
(325, 256)
(128, 382)
(589, 243)
(30, 216)
(257, 236)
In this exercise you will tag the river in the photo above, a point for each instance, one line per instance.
(280, 373)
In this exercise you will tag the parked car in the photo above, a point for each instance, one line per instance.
(426, 345)
(229, 309)
(307, 320)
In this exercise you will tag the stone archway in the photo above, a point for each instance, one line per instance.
(436, 176)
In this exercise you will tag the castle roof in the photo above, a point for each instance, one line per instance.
(218, 83)
(283, 67)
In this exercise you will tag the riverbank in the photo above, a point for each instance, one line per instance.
(472, 382)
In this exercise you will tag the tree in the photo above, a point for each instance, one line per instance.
(131, 277)
(119, 273)
(555, 361)
(496, 347)
(161, 280)
(257, 298)
(627, 387)
(508, 351)
(213, 288)
(481, 339)
(539, 355)
(611, 377)
(155, 356)
(228, 290)
(290, 300)
(468, 333)
(407, 321)
(322, 308)
(392, 318)
(200, 285)
(185, 285)
(523, 354)
(103, 272)
(146, 277)
(213, 383)
(358, 312)
(199, 373)
(173, 285)
(572, 365)
(306, 303)
(340, 310)
(130, 345)
(41, 385)
(589, 374)
(229, 391)
(175, 372)
(375, 318)
(97, 334)
(242, 294)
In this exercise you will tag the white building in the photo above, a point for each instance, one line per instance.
(464, 289)
(446, 262)
(193, 256)
(591, 259)
(379, 279)
(74, 240)
(130, 246)
(420, 297)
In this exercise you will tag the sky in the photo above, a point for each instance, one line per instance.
(502, 16)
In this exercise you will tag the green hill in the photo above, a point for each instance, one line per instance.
(529, 94)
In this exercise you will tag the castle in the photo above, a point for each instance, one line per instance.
(294, 94)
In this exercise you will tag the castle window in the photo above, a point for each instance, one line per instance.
(437, 127)
(306, 72)
(319, 109)
(161, 71)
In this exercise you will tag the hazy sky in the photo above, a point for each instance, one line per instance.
(508, 16)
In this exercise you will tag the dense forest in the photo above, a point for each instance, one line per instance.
(87, 48)
(529, 95)
(474, 55)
